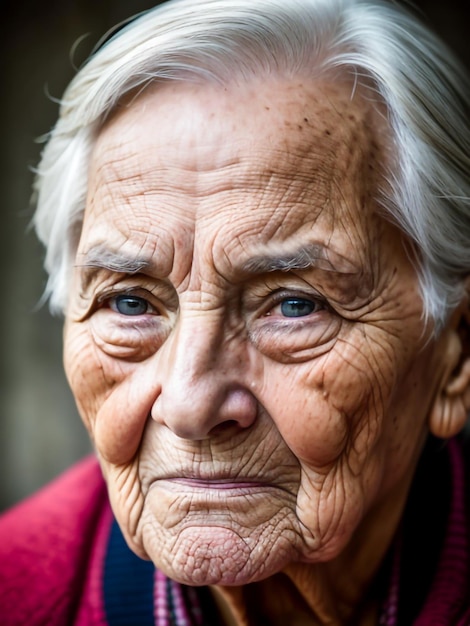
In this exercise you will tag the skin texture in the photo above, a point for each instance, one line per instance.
(237, 441)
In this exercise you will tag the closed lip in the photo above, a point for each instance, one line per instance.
(217, 483)
(220, 485)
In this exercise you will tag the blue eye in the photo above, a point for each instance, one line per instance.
(297, 307)
(129, 305)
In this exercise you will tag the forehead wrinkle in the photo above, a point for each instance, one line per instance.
(158, 168)
(246, 175)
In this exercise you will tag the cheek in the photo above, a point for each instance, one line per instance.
(314, 430)
(410, 405)
(109, 395)
(85, 373)
(329, 405)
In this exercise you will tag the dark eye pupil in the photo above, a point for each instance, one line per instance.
(131, 305)
(296, 307)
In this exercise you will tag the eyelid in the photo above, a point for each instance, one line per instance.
(285, 294)
(112, 292)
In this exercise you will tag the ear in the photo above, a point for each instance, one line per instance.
(451, 406)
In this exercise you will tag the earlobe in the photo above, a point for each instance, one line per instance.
(448, 416)
(451, 406)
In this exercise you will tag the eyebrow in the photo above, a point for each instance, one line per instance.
(312, 255)
(309, 256)
(100, 257)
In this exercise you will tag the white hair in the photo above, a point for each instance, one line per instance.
(424, 89)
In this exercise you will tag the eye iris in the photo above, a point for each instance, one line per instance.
(131, 305)
(297, 307)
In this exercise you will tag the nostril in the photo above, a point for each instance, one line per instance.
(223, 427)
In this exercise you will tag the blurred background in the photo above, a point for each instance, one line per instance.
(40, 432)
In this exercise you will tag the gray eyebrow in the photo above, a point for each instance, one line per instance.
(100, 257)
(304, 257)
(308, 256)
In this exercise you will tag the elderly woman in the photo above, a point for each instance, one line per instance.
(256, 215)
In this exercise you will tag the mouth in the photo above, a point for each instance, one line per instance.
(204, 487)
(216, 500)
(222, 483)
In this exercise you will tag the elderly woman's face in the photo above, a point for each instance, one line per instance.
(244, 334)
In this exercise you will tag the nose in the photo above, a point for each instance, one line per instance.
(202, 381)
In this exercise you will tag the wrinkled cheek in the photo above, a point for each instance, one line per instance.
(330, 510)
(333, 429)
(337, 412)
(85, 375)
(315, 430)
(322, 437)
(311, 420)
(120, 423)
(127, 501)
(108, 398)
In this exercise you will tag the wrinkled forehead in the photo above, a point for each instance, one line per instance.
(277, 145)
(282, 119)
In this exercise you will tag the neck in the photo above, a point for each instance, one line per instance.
(334, 593)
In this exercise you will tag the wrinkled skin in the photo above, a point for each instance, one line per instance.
(249, 418)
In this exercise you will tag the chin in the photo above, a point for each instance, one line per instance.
(213, 555)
